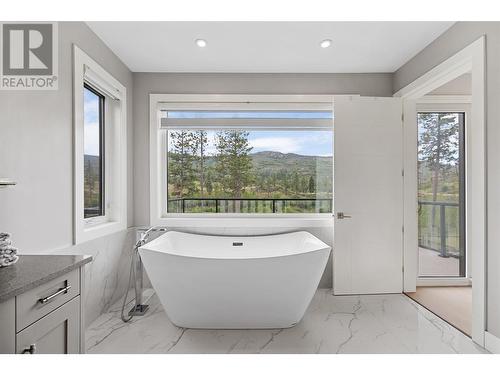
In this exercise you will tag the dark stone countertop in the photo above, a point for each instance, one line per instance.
(31, 271)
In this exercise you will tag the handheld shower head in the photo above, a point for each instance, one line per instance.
(136, 275)
(146, 232)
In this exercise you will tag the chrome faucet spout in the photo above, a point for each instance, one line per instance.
(145, 232)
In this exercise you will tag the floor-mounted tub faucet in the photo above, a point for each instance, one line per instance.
(136, 273)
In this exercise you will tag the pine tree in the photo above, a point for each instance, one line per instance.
(234, 165)
(180, 167)
(200, 142)
(209, 184)
(312, 185)
(296, 182)
(438, 146)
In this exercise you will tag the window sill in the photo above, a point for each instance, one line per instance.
(97, 230)
(239, 221)
(91, 222)
(444, 281)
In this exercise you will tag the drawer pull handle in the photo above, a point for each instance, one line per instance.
(30, 350)
(52, 296)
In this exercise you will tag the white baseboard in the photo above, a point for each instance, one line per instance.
(435, 281)
(491, 343)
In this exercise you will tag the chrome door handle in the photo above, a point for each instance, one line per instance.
(341, 216)
(54, 295)
(30, 350)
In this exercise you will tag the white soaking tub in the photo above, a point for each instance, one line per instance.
(235, 282)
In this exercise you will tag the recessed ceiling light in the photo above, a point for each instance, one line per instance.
(201, 43)
(326, 43)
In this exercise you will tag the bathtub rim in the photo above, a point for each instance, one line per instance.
(166, 252)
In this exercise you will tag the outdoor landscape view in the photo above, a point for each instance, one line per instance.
(239, 171)
(440, 188)
(92, 161)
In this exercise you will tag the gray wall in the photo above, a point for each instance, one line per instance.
(224, 83)
(453, 40)
(461, 85)
(36, 149)
(379, 84)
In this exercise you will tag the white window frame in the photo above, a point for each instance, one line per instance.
(86, 70)
(159, 102)
(452, 103)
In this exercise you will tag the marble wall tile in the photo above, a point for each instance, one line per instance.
(107, 275)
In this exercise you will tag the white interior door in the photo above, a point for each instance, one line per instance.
(368, 190)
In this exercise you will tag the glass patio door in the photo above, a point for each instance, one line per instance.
(441, 194)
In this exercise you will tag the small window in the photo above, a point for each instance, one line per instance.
(100, 150)
(93, 153)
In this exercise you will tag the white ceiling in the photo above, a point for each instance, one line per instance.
(267, 47)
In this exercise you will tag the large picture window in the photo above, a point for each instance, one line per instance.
(247, 162)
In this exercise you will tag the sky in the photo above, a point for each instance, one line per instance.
(91, 121)
(310, 142)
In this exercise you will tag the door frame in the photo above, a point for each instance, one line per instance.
(470, 59)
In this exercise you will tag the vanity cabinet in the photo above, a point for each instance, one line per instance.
(55, 333)
(46, 318)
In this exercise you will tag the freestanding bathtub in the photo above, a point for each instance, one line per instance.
(235, 282)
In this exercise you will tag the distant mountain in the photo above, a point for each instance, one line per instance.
(265, 162)
(306, 164)
(272, 162)
(91, 157)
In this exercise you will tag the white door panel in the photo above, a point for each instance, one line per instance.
(368, 187)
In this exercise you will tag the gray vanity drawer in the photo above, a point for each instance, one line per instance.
(55, 333)
(29, 307)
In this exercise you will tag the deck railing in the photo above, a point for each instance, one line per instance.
(440, 228)
(250, 205)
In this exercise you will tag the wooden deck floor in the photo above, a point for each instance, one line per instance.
(451, 303)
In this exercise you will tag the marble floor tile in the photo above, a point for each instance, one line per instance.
(332, 324)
